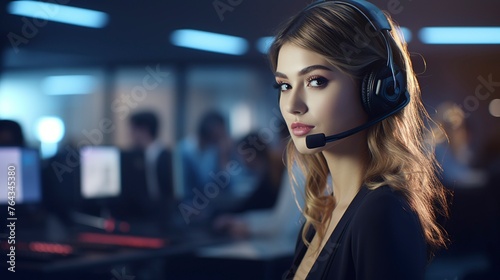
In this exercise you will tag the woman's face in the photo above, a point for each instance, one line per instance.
(316, 97)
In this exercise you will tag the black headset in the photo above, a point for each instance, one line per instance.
(383, 87)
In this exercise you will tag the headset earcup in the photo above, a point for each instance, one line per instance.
(367, 91)
(387, 98)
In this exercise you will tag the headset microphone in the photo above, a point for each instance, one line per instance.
(319, 140)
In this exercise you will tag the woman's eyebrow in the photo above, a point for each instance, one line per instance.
(312, 68)
(280, 75)
(304, 71)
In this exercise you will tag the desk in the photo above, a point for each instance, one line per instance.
(255, 258)
(86, 263)
(252, 249)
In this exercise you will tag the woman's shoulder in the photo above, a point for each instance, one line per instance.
(382, 198)
(384, 206)
(386, 237)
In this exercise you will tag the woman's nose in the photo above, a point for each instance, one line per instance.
(294, 102)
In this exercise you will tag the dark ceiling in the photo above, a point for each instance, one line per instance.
(138, 31)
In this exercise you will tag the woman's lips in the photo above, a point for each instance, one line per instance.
(300, 129)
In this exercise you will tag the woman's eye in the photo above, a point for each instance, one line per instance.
(285, 87)
(282, 86)
(318, 82)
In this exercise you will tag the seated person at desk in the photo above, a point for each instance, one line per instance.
(147, 169)
(203, 156)
(255, 158)
(281, 219)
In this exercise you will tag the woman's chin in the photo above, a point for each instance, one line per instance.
(302, 148)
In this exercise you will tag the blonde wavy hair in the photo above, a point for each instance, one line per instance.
(399, 156)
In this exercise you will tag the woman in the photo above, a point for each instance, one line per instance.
(341, 65)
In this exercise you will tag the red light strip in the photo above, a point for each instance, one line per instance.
(129, 241)
(52, 248)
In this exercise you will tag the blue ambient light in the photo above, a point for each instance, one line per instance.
(208, 41)
(58, 13)
(460, 35)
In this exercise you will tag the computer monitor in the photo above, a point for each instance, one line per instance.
(100, 172)
(24, 167)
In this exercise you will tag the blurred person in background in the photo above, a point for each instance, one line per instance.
(255, 157)
(144, 130)
(204, 156)
(158, 193)
(11, 134)
(282, 219)
(453, 149)
(474, 226)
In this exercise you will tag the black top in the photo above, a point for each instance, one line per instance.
(378, 237)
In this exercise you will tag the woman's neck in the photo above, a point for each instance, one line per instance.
(347, 160)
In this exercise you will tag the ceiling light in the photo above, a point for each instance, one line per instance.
(68, 84)
(460, 35)
(58, 13)
(207, 41)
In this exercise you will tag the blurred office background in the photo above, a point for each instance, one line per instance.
(75, 77)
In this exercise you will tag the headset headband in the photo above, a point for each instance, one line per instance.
(374, 15)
